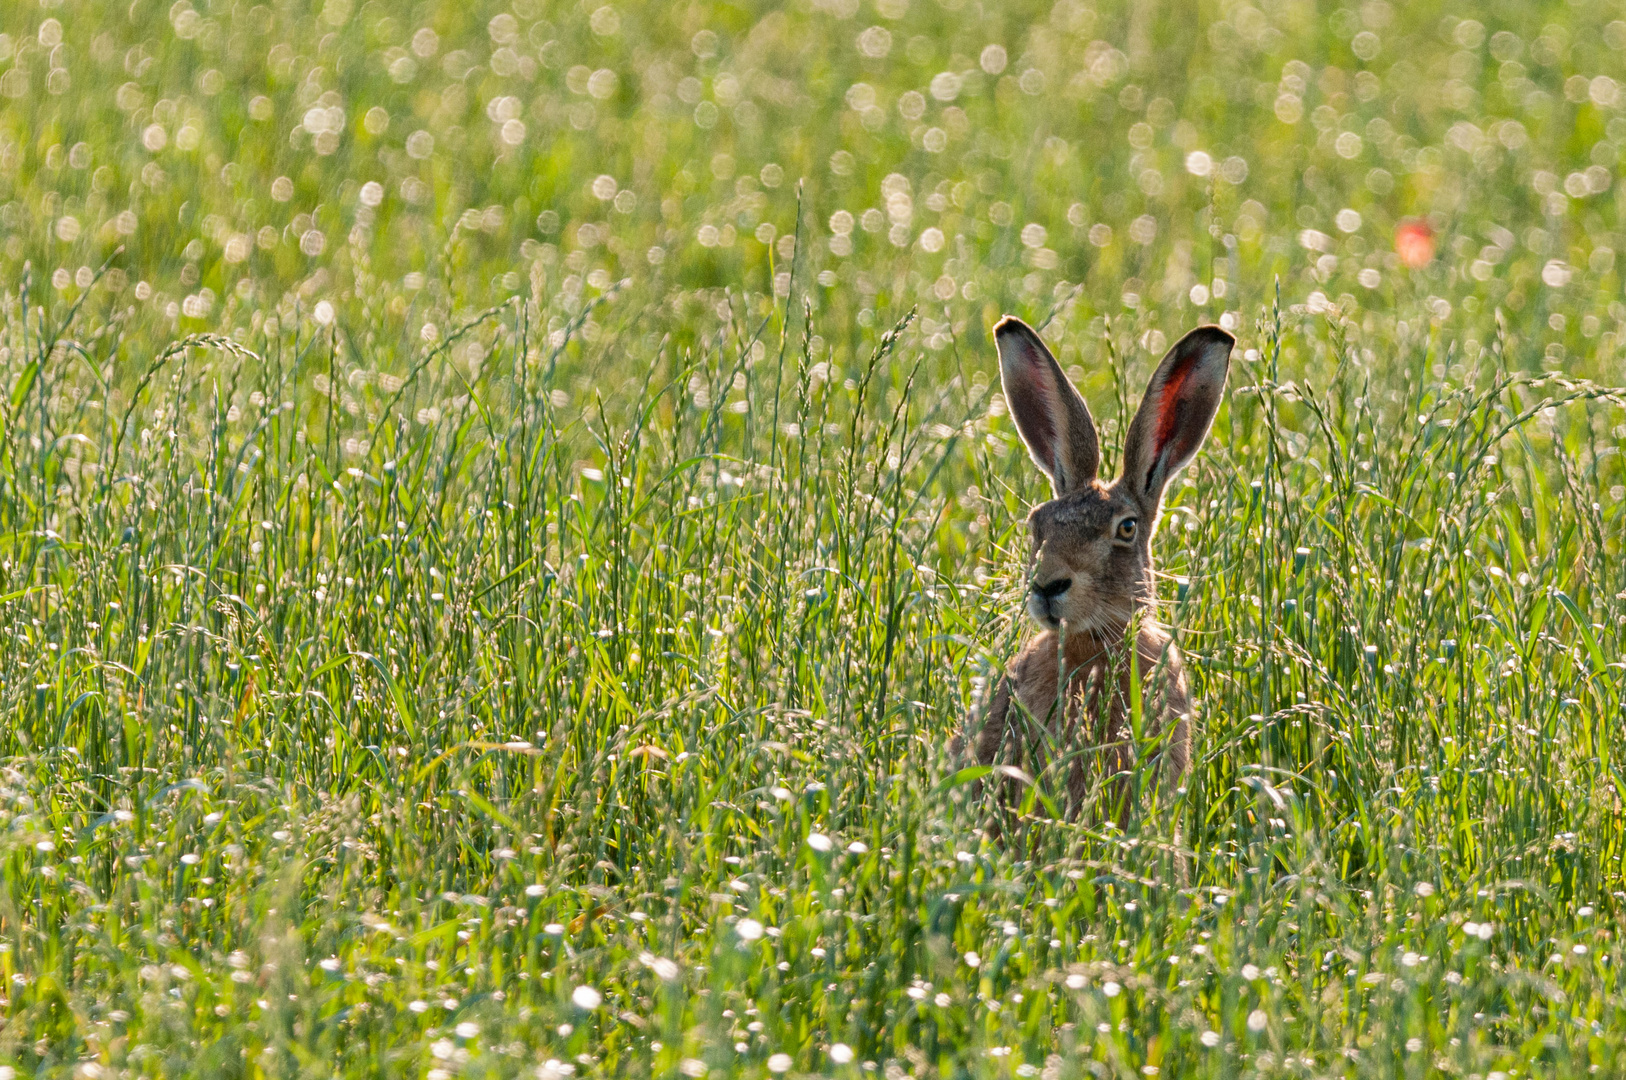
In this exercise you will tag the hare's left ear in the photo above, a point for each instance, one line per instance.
(1174, 416)
(1050, 415)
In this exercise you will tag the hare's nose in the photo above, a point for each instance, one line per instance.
(1054, 589)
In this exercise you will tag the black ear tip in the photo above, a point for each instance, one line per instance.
(1010, 325)
(1206, 336)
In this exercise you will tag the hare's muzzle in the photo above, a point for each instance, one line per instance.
(1042, 602)
(1052, 590)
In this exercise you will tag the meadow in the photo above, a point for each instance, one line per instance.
(504, 511)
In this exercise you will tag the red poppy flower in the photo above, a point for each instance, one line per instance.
(1414, 242)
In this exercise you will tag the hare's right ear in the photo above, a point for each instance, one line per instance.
(1049, 413)
(1173, 417)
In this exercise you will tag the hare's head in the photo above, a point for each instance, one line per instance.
(1091, 562)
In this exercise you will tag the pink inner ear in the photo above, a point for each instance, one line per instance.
(1033, 411)
(1171, 407)
(1034, 405)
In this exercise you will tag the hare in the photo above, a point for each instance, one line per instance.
(1090, 577)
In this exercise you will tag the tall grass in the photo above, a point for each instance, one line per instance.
(442, 638)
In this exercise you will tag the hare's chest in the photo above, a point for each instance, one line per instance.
(1088, 691)
(1072, 696)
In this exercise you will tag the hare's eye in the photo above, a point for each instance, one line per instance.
(1126, 529)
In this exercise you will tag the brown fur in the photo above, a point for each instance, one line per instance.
(1085, 734)
(1093, 584)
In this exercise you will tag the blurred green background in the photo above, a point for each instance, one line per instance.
(1158, 164)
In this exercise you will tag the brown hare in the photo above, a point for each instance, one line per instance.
(1090, 577)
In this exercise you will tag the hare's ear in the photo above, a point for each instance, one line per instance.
(1051, 417)
(1173, 418)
